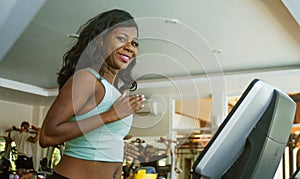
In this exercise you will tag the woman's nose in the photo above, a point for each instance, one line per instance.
(129, 47)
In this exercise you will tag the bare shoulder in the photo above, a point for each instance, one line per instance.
(84, 75)
(82, 83)
(81, 79)
(87, 81)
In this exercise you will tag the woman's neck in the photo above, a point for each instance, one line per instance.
(108, 72)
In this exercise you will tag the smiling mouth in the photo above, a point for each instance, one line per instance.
(124, 58)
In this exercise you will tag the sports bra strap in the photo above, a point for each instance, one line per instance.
(95, 73)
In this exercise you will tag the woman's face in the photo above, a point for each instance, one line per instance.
(122, 46)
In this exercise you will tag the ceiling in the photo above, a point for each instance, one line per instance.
(184, 44)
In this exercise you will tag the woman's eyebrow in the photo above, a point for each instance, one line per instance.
(123, 33)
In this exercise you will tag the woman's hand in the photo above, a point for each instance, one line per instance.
(127, 105)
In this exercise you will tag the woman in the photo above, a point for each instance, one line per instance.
(92, 112)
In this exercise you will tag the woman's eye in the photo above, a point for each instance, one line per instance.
(122, 39)
(135, 44)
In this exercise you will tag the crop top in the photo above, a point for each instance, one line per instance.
(106, 142)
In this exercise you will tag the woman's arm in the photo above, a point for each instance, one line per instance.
(34, 139)
(80, 94)
(168, 150)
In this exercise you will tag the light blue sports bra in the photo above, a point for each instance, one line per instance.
(106, 142)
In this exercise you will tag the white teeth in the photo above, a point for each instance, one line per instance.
(126, 58)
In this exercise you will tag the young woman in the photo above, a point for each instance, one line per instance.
(93, 111)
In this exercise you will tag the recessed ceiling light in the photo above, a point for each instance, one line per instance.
(171, 21)
(73, 36)
(217, 51)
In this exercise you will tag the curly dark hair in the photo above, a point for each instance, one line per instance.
(87, 52)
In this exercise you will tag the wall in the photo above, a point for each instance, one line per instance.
(154, 118)
(151, 125)
(14, 114)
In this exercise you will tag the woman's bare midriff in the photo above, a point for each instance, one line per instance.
(75, 168)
